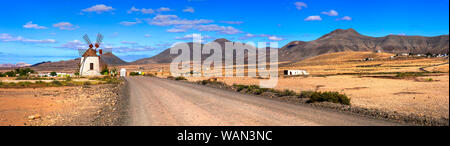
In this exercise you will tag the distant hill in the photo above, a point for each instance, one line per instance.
(349, 40)
(62, 66)
(340, 40)
(111, 59)
(166, 57)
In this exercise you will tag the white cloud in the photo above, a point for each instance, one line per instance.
(147, 35)
(128, 42)
(181, 25)
(300, 5)
(65, 26)
(34, 26)
(347, 18)
(176, 30)
(133, 9)
(220, 29)
(147, 11)
(163, 9)
(10, 38)
(275, 38)
(129, 23)
(247, 36)
(164, 17)
(100, 8)
(192, 36)
(313, 18)
(270, 37)
(189, 9)
(232, 22)
(143, 10)
(75, 44)
(167, 20)
(331, 13)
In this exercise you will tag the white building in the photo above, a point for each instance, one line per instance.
(123, 72)
(295, 72)
(90, 63)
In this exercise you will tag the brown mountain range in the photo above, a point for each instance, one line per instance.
(349, 40)
(338, 41)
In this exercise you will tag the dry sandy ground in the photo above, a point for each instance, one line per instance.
(400, 95)
(82, 105)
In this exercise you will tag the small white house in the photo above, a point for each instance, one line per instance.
(295, 72)
(90, 63)
(123, 72)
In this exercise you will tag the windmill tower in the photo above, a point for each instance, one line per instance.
(90, 61)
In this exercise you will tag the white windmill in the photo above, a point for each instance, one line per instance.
(90, 61)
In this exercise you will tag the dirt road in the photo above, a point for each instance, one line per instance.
(156, 101)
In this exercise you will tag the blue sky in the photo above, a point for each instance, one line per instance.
(33, 31)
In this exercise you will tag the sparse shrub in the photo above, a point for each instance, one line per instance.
(211, 82)
(112, 81)
(408, 74)
(260, 91)
(149, 75)
(180, 78)
(40, 82)
(239, 87)
(87, 83)
(306, 94)
(286, 92)
(53, 74)
(429, 79)
(23, 71)
(105, 71)
(23, 84)
(334, 97)
(10, 74)
(56, 83)
(68, 78)
(135, 74)
(69, 83)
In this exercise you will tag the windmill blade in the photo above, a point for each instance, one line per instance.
(81, 51)
(87, 40)
(99, 39)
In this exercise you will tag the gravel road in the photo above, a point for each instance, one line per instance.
(155, 102)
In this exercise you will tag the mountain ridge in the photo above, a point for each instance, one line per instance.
(339, 40)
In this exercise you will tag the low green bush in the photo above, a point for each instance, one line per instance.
(56, 83)
(87, 83)
(306, 94)
(68, 78)
(135, 74)
(239, 87)
(150, 75)
(334, 97)
(180, 78)
(408, 74)
(286, 92)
